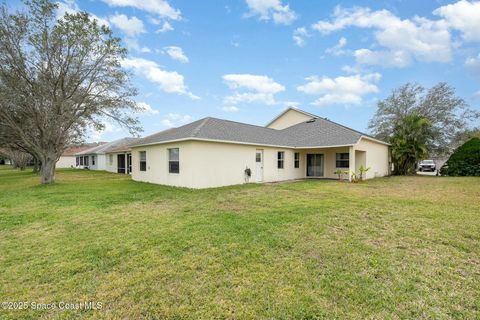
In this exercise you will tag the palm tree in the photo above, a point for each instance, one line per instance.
(409, 143)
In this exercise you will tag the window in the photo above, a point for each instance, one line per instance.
(173, 160)
(258, 157)
(297, 160)
(343, 160)
(85, 161)
(280, 158)
(77, 161)
(143, 160)
(110, 159)
(93, 160)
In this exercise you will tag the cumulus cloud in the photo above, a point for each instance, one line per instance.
(271, 10)
(299, 36)
(166, 27)
(463, 16)
(397, 58)
(130, 26)
(473, 64)
(347, 90)
(71, 7)
(97, 134)
(174, 120)
(230, 109)
(168, 81)
(424, 39)
(251, 88)
(147, 109)
(160, 7)
(176, 53)
(337, 50)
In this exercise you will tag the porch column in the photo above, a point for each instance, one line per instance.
(351, 158)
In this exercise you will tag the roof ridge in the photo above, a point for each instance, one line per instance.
(243, 123)
(200, 126)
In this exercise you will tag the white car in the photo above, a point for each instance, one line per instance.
(427, 165)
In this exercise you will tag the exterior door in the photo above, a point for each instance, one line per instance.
(259, 165)
(315, 165)
(129, 163)
(121, 163)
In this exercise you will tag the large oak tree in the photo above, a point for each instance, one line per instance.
(58, 77)
(447, 114)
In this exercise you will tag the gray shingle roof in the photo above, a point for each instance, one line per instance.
(317, 132)
(104, 148)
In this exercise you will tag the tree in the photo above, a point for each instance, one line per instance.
(447, 114)
(465, 161)
(465, 135)
(58, 77)
(409, 143)
(18, 158)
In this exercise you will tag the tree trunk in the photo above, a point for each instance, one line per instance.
(48, 170)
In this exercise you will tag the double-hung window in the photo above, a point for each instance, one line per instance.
(280, 159)
(143, 160)
(174, 160)
(342, 160)
(93, 160)
(296, 161)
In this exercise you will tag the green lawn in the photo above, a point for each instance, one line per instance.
(390, 248)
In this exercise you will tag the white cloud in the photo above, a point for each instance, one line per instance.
(146, 108)
(473, 64)
(271, 10)
(174, 120)
(159, 7)
(176, 53)
(397, 58)
(130, 26)
(166, 26)
(107, 128)
(132, 44)
(169, 81)
(348, 90)
(230, 109)
(251, 88)
(299, 36)
(71, 7)
(424, 39)
(291, 104)
(476, 95)
(337, 50)
(463, 16)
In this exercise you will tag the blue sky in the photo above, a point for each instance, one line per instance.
(247, 60)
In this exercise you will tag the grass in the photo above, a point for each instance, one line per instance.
(394, 248)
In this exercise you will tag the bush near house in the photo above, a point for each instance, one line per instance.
(465, 161)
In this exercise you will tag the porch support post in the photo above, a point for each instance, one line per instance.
(351, 153)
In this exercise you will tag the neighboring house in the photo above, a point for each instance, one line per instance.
(119, 158)
(68, 158)
(95, 158)
(212, 152)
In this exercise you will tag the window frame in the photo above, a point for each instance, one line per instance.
(171, 169)
(340, 160)
(296, 160)
(280, 159)
(142, 164)
(93, 160)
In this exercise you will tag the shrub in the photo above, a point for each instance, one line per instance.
(465, 161)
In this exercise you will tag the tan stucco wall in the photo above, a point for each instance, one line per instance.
(111, 166)
(290, 118)
(66, 162)
(376, 157)
(157, 165)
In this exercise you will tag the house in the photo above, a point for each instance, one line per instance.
(68, 158)
(119, 158)
(95, 158)
(295, 145)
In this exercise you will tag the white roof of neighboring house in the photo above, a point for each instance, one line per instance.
(104, 148)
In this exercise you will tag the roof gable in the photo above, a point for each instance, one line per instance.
(289, 117)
